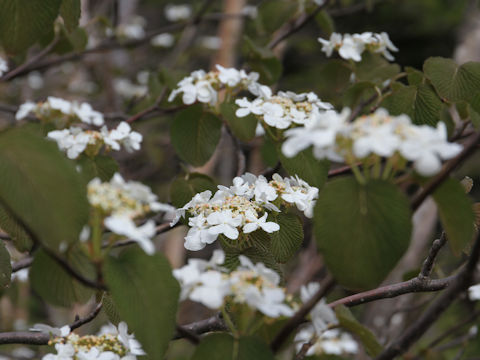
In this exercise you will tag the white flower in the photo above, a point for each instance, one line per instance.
(86, 114)
(124, 225)
(427, 146)
(352, 47)
(178, 12)
(322, 315)
(46, 329)
(129, 341)
(246, 107)
(474, 292)
(127, 89)
(134, 29)
(225, 223)
(211, 290)
(64, 352)
(205, 93)
(163, 40)
(61, 105)
(269, 301)
(3, 66)
(228, 76)
(24, 110)
(253, 223)
(329, 45)
(199, 235)
(122, 135)
(73, 140)
(380, 140)
(264, 191)
(274, 115)
(385, 44)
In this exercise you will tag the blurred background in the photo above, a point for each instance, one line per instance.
(143, 48)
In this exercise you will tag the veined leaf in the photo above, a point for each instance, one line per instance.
(5, 267)
(184, 188)
(288, 239)
(70, 11)
(362, 230)
(307, 167)
(243, 128)
(145, 294)
(195, 134)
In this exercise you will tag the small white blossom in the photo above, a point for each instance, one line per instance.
(331, 342)
(474, 292)
(56, 332)
(24, 110)
(133, 29)
(3, 66)
(178, 12)
(210, 42)
(123, 225)
(128, 90)
(163, 40)
(73, 141)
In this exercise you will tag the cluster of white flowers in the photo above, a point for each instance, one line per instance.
(325, 339)
(284, 109)
(116, 345)
(76, 140)
(245, 205)
(257, 286)
(352, 46)
(131, 30)
(61, 111)
(203, 87)
(120, 202)
(381, 134)
(174, 12)
(3, 66)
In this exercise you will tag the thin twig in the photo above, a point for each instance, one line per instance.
(188, 334)
(295, 25)
(462, 281)
(299, 317)
(39, 338)
(22, 264)
(432, 254)
(213, 323)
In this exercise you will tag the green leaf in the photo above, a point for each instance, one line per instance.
(101, 166)
(54, 284)
(288, 239)
(453, 82)
(456, 213)
(420, 102)
(75, 40)
(414, 76)
(20, 238)
(375, 68)
(307, 167)
(108, 306)
(23, 22)
(325, 21)
(41, 188)
(243, 128)
(70, 11)
(263, 61)
(269, 152)
(184, 188)
(362, 230)
(348, 322)
(358, 92)
(223, 346)
(145, 294)
(195, 134)
(334, 78)
(5, 267)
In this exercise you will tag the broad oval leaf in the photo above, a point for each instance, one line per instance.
(375, 68)
(41, 188)
(456, 213)
(223, 346)
(307, 167)
(453, 82)
(101, 166)
(362, 230)
(184, 188)
(5, 267)
(145, 294)
(70, 11)
(288, 239)
(23, 22)
(54, 284)
(20, 237)
(195, 134)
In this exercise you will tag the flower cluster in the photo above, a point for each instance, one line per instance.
(61, 112)
(75, 140)
(120, 202)
(284, 109)
(257, 286)
(245, 205)
(378, 135)
(116, 345)
(203, 87)
(352, 46)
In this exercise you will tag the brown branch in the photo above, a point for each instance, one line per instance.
(39, 338)
(213, 323)
(295, 25)
(188, 334)
(299, 317)
(22, 264)
(432, 254)
(428, 189)
(461, 282)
